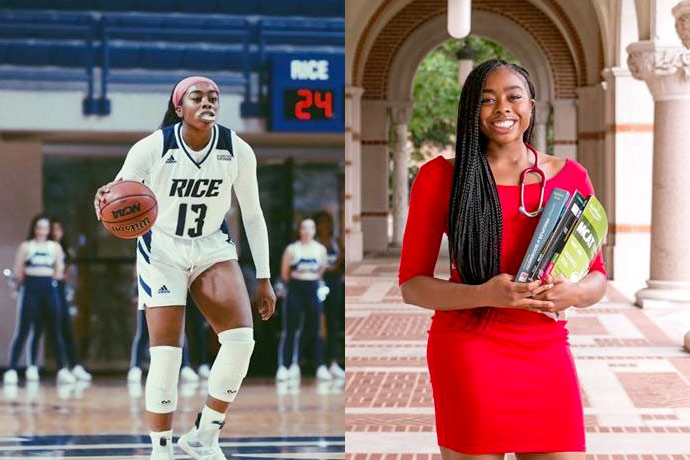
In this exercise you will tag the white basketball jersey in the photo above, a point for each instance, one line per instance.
(193, 197)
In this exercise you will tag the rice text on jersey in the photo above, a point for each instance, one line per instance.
(196, 188)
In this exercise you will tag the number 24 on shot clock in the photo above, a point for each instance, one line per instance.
(307, 92)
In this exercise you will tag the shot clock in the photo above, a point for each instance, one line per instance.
(308, 104)
(307, 92)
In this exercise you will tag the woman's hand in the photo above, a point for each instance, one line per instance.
(266, 298)
(562, 295)
(503, 291)
(99, 197)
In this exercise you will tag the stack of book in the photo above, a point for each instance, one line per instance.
(568, 237)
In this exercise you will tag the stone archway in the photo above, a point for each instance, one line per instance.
(569, 67)
(385, 67)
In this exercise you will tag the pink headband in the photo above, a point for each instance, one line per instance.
(184, 85)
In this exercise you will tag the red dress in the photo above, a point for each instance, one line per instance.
(503, 379)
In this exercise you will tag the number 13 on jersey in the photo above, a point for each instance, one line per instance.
(198, 212)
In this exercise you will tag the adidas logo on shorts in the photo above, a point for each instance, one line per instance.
(170, 160)
(163, 290)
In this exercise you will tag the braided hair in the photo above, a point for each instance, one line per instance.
(475, 220)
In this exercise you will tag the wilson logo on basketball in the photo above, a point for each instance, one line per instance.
(127, 210)
(133, 227)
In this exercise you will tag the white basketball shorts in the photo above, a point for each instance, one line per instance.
(167, 266)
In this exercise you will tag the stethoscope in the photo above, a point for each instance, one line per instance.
(523, 175)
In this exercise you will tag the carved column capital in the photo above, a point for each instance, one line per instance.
(665, 69)
(401, 112)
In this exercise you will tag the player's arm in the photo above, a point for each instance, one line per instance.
(59, 263)
(20, 262)
(137, 165)
(285, 265)
(247, 191)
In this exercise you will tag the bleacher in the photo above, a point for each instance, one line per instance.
(133, 42)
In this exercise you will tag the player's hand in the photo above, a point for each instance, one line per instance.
(266, 299)
(503, 291)
(99, 197)
(562, 295)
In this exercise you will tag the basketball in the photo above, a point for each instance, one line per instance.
(129, 209)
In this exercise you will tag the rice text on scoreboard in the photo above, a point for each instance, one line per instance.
(307, 92)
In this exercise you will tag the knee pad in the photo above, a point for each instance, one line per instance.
(232, 363)
(161, 383)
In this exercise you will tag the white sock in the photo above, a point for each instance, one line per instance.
(208, 417)
(161, 440)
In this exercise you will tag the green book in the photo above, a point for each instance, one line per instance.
(583, 244)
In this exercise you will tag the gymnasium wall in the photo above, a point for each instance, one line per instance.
(21, 191)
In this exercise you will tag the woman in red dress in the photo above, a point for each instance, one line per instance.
(502, 373)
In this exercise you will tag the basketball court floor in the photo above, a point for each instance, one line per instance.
(106, 420)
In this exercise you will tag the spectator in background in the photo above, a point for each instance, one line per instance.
(38, 266)
(334, 305)
(57, 234)
(302, 268)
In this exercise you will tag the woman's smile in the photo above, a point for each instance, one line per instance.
(503, 126)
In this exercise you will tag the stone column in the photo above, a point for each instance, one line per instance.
(400, 116)
(465, 57)
(665, 69)
(353, 193)
(565, 128)
(682, 14)
(540, 125)
(625, 180)
(375, 171)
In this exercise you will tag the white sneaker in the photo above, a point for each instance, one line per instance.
(202, 445)
(164, 451)
(204, 371)
(282, 374)
(65, 376)
(336, 371)
(323, 374)
(188, 375)
(32, 374)
(10, 377)
(80, 373)
(134, 375)
(294, 371)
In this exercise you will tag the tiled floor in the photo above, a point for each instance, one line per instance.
(634, 374)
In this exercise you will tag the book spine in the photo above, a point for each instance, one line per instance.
(574, 205)
(554, 209)
(561, 244)
(561, 238)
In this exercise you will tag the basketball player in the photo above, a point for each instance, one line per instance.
(303, 264)
(191, 164)
(38, 266)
